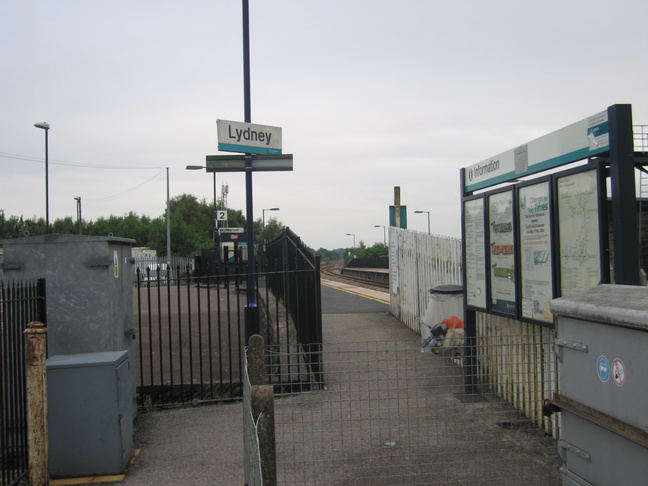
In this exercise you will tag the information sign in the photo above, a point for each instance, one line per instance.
(578, 141)
(534, 206)
(578, 223)
(474, 237)
(502, 252)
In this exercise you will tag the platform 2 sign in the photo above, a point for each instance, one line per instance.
(248, 138)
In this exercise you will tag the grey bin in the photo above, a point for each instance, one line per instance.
(90, 414)
(602, 338)
(442, 325)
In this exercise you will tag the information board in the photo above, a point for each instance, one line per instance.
(578, 223)
(536, 275)
(502, 253)
(474, 238)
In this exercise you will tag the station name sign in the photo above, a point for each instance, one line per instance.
(248, 138)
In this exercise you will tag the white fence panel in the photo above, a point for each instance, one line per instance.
(418, 262)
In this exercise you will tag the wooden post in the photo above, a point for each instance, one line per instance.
(397, 207)
(37, 438)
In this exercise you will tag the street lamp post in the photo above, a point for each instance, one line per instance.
(384, 232)
(168, 227)
(79, 224)
(45, 126)
(352, 234)
(428, 217)
(199, 167)
(263, 227)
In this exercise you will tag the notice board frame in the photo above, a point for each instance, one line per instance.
(518, 308)
(605, 138)
(606, 133)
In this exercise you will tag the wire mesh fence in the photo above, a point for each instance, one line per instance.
(387, 414)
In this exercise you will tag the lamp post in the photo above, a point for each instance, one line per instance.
(168, 227)
(45, 126)
(428, 216)
(384, 232)
(352, 234)
(199, 167)
(79, 224)
(263, 227)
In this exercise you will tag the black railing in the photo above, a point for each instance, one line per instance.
(191, 328)
(293, 284)
(20, 303)
(190, 338)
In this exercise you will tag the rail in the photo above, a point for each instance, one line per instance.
(333, 271)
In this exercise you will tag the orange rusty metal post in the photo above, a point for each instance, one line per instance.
(35, 337)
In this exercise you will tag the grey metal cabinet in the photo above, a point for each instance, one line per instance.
(602, 346)
(90, 414)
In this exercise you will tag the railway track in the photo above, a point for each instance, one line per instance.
(333, 271)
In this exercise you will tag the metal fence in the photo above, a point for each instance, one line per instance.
(190, 339)
(158, 269)
(292, 296)
(20, 303)
(191, 330)
(388, 414)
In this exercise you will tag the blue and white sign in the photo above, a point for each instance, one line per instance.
(578, 141)
(603, 369)
(247, 138)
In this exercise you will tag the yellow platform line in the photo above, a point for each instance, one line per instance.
(356, 293)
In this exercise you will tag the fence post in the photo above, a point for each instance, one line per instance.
(262, 400)
(37, 439)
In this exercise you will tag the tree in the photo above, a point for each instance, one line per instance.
(192, 226)
(64, 226)
(272, 228)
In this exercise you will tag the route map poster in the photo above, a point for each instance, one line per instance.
(578, 223)
(474, 236)
(536, 274)
(502, 252)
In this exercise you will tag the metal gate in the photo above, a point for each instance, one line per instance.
(388, 414)
(191, 331)
(190, 336)
(20, 303)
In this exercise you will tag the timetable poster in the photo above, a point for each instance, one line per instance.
(502, 252)
(474, 236)
(536, 274)
(578, 228)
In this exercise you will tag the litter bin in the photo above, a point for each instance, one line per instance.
(442, 328)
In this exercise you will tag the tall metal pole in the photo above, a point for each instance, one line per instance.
(45, 126)
(79, 224)
(215, 217)
(624, 203)
(47, 226)
(168, 228)
(251, 310)
(384, 232)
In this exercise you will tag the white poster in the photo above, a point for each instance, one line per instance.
(474, 236)
(535, 250)
(578, 228)
(502, 252)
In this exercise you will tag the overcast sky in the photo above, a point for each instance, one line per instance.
(370, 94)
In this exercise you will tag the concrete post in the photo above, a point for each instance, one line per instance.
(256, 369)
(262, 404)
(263, 412)
(35, 341)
